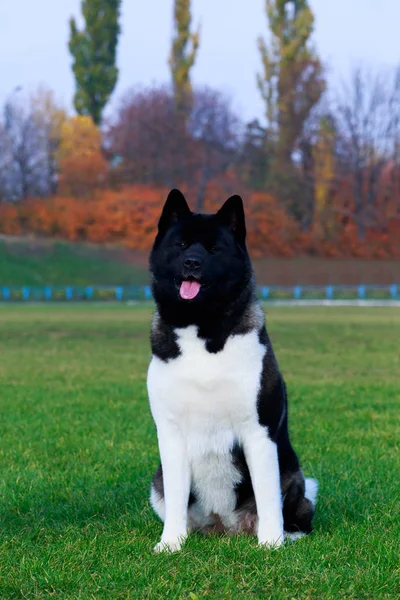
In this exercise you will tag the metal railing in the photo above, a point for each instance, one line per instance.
(143, 292)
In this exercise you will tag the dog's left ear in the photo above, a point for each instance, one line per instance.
(175, 209)
(232, 214)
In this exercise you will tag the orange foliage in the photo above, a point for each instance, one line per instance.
(129, 216)
(10, 221)
(82, 165)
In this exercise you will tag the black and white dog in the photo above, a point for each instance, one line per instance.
(216, 394)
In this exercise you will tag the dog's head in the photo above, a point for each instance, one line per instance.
(199, 258)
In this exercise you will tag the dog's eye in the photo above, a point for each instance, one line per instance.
(182, 244)
(213, 249)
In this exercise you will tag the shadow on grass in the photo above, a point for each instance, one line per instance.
(125, 504)
(55, 508)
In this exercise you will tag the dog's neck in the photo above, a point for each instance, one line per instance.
(215, 321)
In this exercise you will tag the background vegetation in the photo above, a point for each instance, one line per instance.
(320, 174)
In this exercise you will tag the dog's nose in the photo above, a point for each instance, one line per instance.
(193, 263)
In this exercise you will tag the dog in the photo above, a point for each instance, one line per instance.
(216, 394)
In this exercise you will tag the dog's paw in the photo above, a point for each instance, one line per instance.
(271, 540)
(169, 545)
(293, 536)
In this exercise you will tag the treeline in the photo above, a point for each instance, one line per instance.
(320, 176)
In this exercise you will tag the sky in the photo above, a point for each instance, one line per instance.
(34, 37)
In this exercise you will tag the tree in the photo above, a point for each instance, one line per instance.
(28, 141)
(183, 55)
(291, 85)
(255, 158)
(367, 119)
(145, 136)
(81, 162)
(216, 133)
(49, 118)
(324, 161)
(154, 150)
(94, 56)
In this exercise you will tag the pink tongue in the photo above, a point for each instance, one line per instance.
(189, 289)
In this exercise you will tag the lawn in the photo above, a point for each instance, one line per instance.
(78, 448)
(25, 262)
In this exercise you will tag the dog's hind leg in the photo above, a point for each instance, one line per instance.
(157, 494)
(298, 504)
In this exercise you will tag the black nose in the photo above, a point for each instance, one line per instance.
(193, 263)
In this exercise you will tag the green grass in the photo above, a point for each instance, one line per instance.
(78, 449)
(39, 263)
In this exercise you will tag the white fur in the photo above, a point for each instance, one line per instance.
(262, 460)
(214, 476)
(202, 403)
(311, 490)
(157, 503)
(293, 536)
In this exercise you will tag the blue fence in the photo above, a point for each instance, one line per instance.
(140, 293)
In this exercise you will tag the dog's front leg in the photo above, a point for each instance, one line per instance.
(262, 459)
(176, 479)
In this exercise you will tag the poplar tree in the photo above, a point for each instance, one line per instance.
(185, 44)
(94, 56)
(292, 79)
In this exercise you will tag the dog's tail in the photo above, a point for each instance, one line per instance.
(311, 490)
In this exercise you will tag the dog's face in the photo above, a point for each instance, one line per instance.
(199, 258)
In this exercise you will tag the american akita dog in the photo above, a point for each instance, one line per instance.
(216, 394)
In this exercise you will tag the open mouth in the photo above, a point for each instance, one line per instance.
(189, 289)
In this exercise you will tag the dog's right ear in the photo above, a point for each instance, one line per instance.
(175, 209)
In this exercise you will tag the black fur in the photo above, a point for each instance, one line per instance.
(225, 306)
(226, 275)
(163, 341)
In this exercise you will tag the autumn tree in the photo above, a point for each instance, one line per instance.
(291, 85)
(29, 138)
(367, 119)
(324, 160)
(94, 56)
(216, 132)
(185, 44)
(49, 117)
(254, 161)
(82, 165)
(146, 137)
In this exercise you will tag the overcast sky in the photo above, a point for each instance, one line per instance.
(34, 34)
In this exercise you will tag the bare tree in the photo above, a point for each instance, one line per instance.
(48, 116)
(143, 136)
(152, 148)
(367, 119)
(21, 160)
(255, 155)
(28, 143)
(217, 133)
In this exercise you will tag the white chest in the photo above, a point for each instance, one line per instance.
(208, 394)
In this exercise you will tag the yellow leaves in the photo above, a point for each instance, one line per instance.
(292, 80)
(79, 138)
(82, 165)
(324, 171)
(183, 55)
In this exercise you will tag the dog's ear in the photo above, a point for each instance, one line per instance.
(232, 215)
(175, 209)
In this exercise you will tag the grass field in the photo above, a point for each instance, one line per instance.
(42, 262)
(78, 448)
